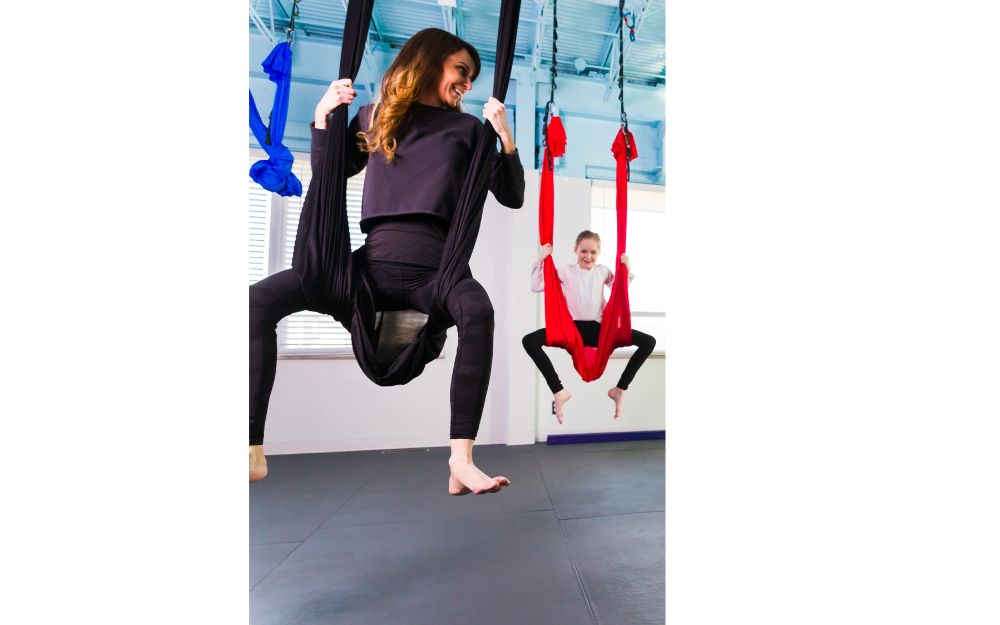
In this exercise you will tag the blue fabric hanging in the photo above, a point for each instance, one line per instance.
(275, 174)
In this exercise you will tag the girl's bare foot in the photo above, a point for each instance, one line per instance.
(618, 395)
(561, 398)
(466, 478)
(258, 463)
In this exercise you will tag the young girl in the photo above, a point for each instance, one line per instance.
(416, 143)
(583, 284)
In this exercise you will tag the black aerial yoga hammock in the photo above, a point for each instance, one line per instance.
(390, 347)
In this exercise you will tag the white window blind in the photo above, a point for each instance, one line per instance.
(306, 332)
(646, 220)
(259, 228)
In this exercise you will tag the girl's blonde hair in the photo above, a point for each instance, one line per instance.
(418, 66)
(587, 234)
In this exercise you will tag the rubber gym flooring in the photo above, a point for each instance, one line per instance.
(372, 537)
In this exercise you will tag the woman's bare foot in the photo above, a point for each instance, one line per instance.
(466, 478)
(561, 398)
(258, 463)
(618, 395)
(455, 487)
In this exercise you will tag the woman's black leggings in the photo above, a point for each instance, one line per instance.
(590, 331)
(397, 286)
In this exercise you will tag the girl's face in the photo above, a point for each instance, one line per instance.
(455, 78)
(586, 253)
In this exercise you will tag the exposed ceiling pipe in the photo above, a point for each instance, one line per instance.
(264, 30)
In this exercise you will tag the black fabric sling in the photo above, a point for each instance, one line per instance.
(392, 347)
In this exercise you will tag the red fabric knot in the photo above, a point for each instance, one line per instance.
(618, 147)
(556, 137)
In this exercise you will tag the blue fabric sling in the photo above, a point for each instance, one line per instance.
(275, 173)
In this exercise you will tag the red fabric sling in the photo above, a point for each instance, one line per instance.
(616, 321)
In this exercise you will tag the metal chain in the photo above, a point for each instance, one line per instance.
(290, 38)
(621, 86)
(553, 70)
(552, 82)
(290, 31)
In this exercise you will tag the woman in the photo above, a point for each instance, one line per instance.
(416, 143)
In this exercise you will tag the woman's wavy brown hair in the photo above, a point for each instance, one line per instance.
(418, 66)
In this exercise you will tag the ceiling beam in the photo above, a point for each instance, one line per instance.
(259, 23)
(536, 46)
(284, 11)
(448, 18)
(639, 16)
(612, 40)
(448, 14)
(570, 113)
(631, 74)
(459, 20)
(376, 24)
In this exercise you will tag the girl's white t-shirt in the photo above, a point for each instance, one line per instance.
(584, 289)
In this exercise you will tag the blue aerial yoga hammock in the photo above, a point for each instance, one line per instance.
(390, 346)
(275, 174)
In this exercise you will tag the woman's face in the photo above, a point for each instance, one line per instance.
(586, 253)
(455, 78)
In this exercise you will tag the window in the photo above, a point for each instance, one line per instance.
(260, 224)
(646, 220)
(274, 221)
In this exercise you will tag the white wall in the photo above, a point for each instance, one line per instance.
(329, 405)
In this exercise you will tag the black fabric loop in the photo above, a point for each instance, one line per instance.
(322, 257)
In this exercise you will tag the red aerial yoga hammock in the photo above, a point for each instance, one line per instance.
(616, 321)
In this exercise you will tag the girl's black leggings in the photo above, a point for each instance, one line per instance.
(397, 286)
(590, 331)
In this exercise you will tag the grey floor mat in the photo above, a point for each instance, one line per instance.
(263, 559)
(599, 483)
(301, 492)
(372, 537)
(501, 570)
(413, 487)
(621, 561)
